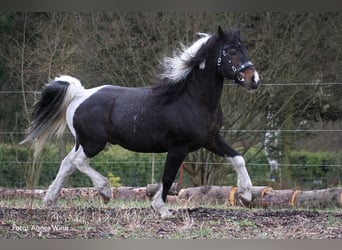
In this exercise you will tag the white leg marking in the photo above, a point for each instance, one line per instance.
(159, 205)
(101, 183)
(65, 170)
(244, 183)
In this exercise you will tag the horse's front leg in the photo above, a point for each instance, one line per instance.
(174, 159)
(219, 146)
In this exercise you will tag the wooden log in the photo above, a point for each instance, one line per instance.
(171, 199)
(279, 198)
(152, 189)
(206, 195)
(124, 193)
(258, 192)
(324, 198)
(220, 195)
(22, 193)
(72, 193)
(130, 193)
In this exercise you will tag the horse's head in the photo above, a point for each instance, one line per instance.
(233, 60)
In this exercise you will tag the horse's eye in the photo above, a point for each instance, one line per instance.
(232, 52)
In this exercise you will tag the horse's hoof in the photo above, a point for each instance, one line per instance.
(245, 203)
(162, 211)
(166, 214)
(106, 195)
(50, 204)
(245, 198)
(105, 199)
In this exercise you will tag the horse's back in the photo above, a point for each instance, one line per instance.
(112, 114)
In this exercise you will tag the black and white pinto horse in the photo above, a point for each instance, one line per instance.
(178, 115)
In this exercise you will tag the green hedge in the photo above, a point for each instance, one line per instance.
(12, 166)
(315, 170)
(308, 170)
(134, 169)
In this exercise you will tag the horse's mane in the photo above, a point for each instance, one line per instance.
(176, 69)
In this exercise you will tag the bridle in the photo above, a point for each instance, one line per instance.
(236, 69)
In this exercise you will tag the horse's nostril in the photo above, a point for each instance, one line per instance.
(254, 84)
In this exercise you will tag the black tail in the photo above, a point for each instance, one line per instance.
(49, 114)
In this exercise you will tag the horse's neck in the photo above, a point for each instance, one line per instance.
(205, 86)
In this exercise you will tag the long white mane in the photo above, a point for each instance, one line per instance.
(176, 68)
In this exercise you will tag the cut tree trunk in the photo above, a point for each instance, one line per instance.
(279, 198)
(123, 193)
(219, 195)
(206, 195)
(130, 193)
(262, 196)
(21, 193)
(324, 198)
(152, 189)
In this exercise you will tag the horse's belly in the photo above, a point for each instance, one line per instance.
(137, 144)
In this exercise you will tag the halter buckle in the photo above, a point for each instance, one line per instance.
(219, 60)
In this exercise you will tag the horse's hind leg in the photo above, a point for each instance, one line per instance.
(244, 183)
(65, 170)
(101, 183)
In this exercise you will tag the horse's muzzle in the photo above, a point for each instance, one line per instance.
(248, 78)
(255, 80)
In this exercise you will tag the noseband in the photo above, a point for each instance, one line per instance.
(235, 69)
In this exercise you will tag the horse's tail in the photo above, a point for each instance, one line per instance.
(49, 113)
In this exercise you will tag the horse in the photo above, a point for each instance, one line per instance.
(178, 114)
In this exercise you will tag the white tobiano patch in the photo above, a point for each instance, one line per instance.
(77, 100)
(70, 79)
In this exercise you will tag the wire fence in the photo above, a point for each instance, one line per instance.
(134, 168)
(335, 133)
(264, 84)
(321, 174)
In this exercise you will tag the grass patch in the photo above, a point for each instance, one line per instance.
(79, 218)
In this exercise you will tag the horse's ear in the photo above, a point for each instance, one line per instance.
(237, 32)
(220, 32)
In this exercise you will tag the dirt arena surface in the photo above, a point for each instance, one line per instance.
(190, 223)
